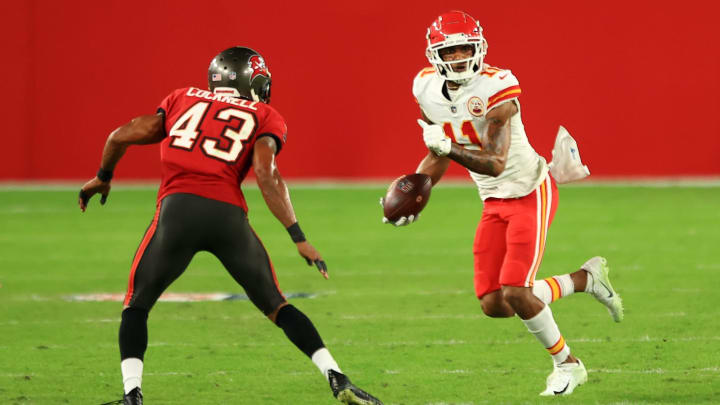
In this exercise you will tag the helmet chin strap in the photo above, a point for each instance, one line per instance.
(462, 82)
(454, 85)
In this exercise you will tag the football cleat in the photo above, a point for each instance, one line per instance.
(565, 378)
(600, 287)
(134, 397)
(347, 393)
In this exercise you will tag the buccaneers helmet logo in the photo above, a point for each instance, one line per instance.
(257, 64)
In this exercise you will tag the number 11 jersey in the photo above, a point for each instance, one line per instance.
(209, 144)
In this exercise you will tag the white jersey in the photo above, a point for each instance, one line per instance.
(463, 121)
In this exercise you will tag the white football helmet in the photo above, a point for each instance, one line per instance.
(451, 29)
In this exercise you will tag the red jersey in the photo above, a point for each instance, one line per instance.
(209, 143)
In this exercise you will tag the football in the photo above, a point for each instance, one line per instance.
(407, 196)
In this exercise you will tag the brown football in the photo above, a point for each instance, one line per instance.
(406, 196)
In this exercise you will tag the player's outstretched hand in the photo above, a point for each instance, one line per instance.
(402, 221)
(91, 188)
(311, 255)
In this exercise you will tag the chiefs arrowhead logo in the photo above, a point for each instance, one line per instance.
(257, 64)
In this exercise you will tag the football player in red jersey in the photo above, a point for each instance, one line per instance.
(471, 115)
(209, 139)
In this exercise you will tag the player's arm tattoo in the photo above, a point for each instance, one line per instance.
(495, 144)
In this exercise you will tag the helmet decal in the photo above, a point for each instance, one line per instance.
(257, 64)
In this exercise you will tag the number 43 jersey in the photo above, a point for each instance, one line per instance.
(209, 144)
(462, 113)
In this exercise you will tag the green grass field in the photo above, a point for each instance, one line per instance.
(398, 312)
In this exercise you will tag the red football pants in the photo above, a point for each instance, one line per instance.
(510, 238)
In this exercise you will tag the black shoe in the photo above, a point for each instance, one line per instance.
(133, 397)
(347, 393)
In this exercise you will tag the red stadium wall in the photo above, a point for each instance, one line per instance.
(635, 82)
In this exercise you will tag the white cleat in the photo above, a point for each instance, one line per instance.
(565, 378)
(600, 287)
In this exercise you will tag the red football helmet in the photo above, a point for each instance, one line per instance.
(451, 29)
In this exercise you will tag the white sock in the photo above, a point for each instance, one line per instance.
(132, 369)
(324, 361)
(553, 288)
(545, 329)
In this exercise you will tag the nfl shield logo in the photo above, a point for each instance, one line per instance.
(233, 75)
(453, 109)
(216, 77)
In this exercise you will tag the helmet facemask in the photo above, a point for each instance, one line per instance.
(446, 69)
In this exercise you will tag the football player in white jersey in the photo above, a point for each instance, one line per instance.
(471, 115)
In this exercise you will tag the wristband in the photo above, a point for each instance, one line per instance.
(104, 175)
(296, 234)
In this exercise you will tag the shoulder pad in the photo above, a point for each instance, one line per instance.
(501, 84)
(422, 79)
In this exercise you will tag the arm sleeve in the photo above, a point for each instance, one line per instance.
(504, 87)
(274, 126)
(165, 107)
